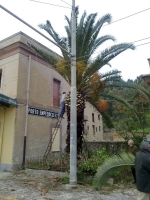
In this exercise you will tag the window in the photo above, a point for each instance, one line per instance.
(93, 129)
(96, 129)
(56, 92)
(0, 77)
(87, 127)
(99, 128)
(92, 117)
(83, 129)
(99, 117)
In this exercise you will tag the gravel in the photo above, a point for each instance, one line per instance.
(22, 186)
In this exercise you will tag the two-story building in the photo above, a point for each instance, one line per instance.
(30, 91)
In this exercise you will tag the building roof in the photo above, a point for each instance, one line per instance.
(7, 101)
(145, 75)
(24, 38)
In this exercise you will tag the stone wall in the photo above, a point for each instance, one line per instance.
(111, 146)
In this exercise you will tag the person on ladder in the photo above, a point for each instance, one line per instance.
(62, 106)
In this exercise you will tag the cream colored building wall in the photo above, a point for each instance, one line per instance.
(39, 129)
(9, 68)
(41, 96)
(88, 124)
(7, 119)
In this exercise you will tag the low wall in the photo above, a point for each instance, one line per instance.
(111, 146)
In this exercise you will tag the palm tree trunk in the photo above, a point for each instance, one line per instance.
(80, 118)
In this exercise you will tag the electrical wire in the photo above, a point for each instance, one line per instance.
(93, 53)
(103, 25)
(68, 62)
(66, 3)
(109, 47)
(50, 66)
(85, 55)
(126, 17)
(50, 4)
(142, 44)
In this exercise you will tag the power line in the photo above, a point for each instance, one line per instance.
(34, 74)
(142, 44)
(33, 28)
(126, 17)
(50, 4)
(96, 56)
(108, 47)
(66, 3)
(101, 51)
(78, 57)
(122, 19)
(103, 25)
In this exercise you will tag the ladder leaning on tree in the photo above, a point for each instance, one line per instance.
(49, 147)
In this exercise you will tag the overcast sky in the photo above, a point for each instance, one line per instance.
(130, 63)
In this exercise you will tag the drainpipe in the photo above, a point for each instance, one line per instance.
(2, 132)
(26, 114)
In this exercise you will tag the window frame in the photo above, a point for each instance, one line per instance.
(58, 93)
(0, 77)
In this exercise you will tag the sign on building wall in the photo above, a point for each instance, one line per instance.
(42, 113)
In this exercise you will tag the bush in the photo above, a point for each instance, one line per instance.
(90, 165)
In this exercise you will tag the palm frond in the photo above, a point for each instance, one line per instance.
(88, 31)
(134, 86)
(107, 18)
(99, 41)
(111, 76)
(107, 120)
(107, 55)
(121, 100)
(61, 41)
(112, 164)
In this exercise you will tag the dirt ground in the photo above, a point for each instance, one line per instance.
(21, 186)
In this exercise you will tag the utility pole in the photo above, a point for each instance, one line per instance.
(73, 110)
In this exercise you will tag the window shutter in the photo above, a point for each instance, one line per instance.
(56, 92)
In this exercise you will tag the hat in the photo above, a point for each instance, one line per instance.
(144, 145)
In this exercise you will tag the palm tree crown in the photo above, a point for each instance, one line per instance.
(90, 82)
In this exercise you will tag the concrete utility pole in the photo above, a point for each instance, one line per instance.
(73, 111)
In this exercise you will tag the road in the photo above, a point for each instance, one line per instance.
(21, 186)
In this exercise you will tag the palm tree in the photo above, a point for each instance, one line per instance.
(90, 82)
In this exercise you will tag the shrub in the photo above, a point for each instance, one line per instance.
(90, 165)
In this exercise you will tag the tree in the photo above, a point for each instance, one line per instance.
(90, 83)
(126, 123)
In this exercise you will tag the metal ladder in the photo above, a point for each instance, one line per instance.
(48, 149)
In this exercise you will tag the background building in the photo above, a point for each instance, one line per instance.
(34, 89)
